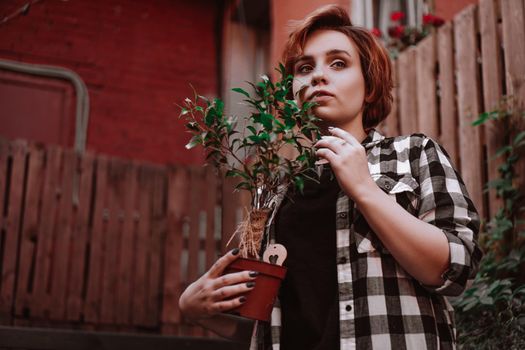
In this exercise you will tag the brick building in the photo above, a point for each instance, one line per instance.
(138, 58)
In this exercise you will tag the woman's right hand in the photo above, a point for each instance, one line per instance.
(214, 293)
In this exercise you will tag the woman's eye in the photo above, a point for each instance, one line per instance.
(303, 69)
(339, 64)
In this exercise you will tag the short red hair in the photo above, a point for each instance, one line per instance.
(375, 62)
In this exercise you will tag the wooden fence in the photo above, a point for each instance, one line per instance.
(453, 75)
(95, 242)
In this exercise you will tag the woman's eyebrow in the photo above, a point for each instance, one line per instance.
(332, 52)
(337, 52)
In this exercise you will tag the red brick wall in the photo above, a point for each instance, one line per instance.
(136, 57)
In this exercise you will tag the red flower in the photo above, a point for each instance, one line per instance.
(438, 21)
(396, 32)
(429, 19)
(397, 16)
(376, 32)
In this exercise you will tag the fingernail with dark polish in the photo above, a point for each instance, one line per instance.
(254, 273)
(250, 284)
(242, 299)
(235, 251)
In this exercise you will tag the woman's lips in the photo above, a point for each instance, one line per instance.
(320, 96)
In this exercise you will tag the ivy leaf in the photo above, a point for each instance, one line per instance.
(503, 150)
(519, 137)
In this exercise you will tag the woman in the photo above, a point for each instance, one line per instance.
(377, 244)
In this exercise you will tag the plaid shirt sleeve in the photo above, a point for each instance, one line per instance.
(445, 203)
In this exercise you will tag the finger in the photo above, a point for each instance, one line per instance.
(344, 135)
(228, 292)
(227, 305)
(218, 267)
(327, 154)
(234, 278)
(331, 142)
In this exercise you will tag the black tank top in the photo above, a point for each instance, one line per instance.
(305, 225)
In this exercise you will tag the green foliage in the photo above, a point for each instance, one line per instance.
(491, 314)
(254, 154)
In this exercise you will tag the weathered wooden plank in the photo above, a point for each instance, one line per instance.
(61, 249)
(11, 227)
(428, 122)
(31, 228)
(470, 138)
(158, 228)
(211, 183)
(447, 93)
(492, 91)
(82, 210)
(177, 202)
(96, 244)
(124, 287)
(142, 240)
(196, 206)
(407, 91)
(197, 184)
(229, 206)
(5, 315)
(116, 191)
(43, 263)
(512, 14)
(390, 126)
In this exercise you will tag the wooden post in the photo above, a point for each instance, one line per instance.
(470, 138)
(447, 89)
(426, 87)
(407, 92)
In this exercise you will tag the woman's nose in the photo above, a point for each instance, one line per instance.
(318, 76)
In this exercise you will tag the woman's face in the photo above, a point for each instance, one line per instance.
(329, 73)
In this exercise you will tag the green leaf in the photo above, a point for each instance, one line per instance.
(237, 173)
(183, 111)
(219, 106)
(503, 150)
(210, 116)
(241, 91)
(299, 183)
(194, 141)
(267, 121)
(519, 137)
(244, 186)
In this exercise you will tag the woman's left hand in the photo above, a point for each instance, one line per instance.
(348, 160)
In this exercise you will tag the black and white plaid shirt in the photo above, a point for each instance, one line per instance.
(380, 305)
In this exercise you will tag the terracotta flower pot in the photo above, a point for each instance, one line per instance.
(260, 300)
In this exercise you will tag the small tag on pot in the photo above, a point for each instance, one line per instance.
(275, 254)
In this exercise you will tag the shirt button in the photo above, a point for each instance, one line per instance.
(342, 215)
(348, 307)
(388, 186)
(342, 260)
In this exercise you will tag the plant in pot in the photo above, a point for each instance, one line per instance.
(254, 155)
